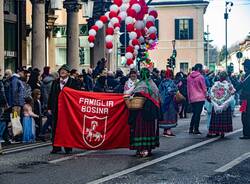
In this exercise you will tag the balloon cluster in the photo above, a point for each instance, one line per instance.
(139, 21)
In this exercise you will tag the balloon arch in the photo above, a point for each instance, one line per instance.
(140, 25)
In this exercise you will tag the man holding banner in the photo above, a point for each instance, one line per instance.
(64, 80)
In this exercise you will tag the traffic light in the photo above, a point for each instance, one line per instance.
(230, 68)
(171, 62)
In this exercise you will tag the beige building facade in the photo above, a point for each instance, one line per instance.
(183, 22)
(56, 39)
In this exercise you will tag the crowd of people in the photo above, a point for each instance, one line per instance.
(34, 95)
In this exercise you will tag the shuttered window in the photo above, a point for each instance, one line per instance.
(183, 29)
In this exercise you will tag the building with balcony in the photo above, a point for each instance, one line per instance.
(182, 21)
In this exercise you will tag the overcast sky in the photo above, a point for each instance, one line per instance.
(238, 22)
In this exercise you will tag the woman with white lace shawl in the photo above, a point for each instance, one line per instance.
(130, 83)
(222, 98)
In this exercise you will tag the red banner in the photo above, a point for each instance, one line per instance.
(89, 120)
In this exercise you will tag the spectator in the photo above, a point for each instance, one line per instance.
(28, 122)
(36, 95)
(120, 87)
(169, 108)
(88, 80)
(197, 90)
(46, 72)
(34, 80)
(130, 84)
(64, 80)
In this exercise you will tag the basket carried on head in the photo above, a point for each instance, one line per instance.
(134, 103)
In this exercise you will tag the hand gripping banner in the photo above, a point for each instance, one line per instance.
(92, 121)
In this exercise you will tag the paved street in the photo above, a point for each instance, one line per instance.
(182, 159)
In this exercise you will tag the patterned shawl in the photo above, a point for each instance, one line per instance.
(222, 95)
(149, 90)
(167, 90)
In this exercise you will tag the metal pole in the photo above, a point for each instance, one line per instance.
(226, 16)
(208, 46)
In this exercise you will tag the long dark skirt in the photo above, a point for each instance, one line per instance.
(169, 118)
(221, 123)
(144, 135)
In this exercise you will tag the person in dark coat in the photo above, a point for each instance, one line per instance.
(245, 98)
(64, 80)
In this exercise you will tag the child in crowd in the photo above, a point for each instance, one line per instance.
(28, 121)
(36, 95)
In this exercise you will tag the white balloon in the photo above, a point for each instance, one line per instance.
(136, 7)
(130, 43)
(152, 29)
(129, 20)
(125, 1)
(107, 15)
(123, 15)
(151, 42)
(117, 29)
(99, 24)
(110, 25)
(114, 20)
(135, 52)
(131, 66)
(129, 55)
(137, 47)
(124, 7)
(141, 39)
(110, 50)
(150, 18)
(132, 35)
(109, 38)
(91, 45)
(139, 25)
(92, 32)
(114, 8)
(151, 9)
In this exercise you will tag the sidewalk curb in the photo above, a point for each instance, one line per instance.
(24, 148)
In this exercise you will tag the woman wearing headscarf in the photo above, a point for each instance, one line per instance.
(222, 97)
(144, 132)
(130, 83)
(169, 108)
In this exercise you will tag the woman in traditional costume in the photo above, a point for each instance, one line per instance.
(169, 108)
(144, 131)
(222, 97)
(130, 83)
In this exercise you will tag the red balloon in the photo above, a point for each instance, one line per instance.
(118, 2)
(109, 45)
(109, 31)
(131, 12)
(154, 14)
(135, 42)
(112, 14)
(149, 24)
(104, 19)
(130, 49)
(119, 18)
(130, 27)
(95, 28)
(91, 38)
(152, 36)
(138, 32)
(117, 25)
(130, 61)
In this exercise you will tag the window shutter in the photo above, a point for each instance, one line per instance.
(191, 29)
(177, 35)
(157, 27)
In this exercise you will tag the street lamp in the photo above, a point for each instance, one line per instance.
(228, 6)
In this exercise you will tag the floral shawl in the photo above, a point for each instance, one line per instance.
(222, 95)
(149, 90)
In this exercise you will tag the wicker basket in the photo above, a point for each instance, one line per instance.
(134, 103)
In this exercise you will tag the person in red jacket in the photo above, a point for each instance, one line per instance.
(197, 90)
